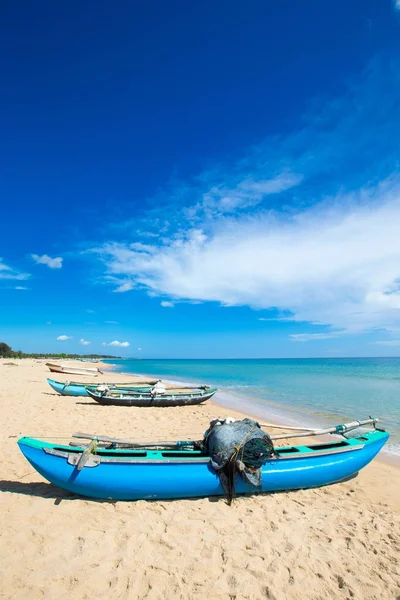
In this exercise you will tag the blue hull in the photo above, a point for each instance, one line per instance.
(77, 389)
(67, 390)
(135, 475)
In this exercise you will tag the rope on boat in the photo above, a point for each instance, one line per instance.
(66, 384)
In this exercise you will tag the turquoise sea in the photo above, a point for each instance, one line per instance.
(317, 391)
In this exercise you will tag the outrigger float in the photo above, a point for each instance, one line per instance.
(115, 469)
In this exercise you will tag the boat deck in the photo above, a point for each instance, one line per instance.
(190, 454)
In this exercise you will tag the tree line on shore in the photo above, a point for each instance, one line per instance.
(7, 352)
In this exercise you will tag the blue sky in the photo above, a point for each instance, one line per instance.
(201, 180)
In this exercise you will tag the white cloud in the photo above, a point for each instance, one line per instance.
(89, 310)
(21, 287)
(52, 263)
(389, 343)
(396, 4)
(64, 338)
(4, 268)
(167, 304)
(111, 322)
(139, 349)
(117, 344)
(7, 272)
(124, 287)
(337, 263)
(84, 342)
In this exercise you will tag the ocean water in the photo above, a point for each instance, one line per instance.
(313, 392)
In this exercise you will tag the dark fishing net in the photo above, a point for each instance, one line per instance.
(237, 448)
(256, 451)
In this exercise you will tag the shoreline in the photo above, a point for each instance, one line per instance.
(255, 407)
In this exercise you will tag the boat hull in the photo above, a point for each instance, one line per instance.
(126, 475)
(80, 389)
(94, 371)
(148, 400)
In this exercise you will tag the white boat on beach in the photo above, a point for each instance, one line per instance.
(54, 368)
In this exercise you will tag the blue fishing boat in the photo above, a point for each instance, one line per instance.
(73, 388)
(184, 470)
(167, 397)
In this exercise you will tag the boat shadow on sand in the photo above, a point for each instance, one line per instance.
(92, 404)
(41, 489)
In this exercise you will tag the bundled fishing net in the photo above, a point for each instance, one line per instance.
(237, 447)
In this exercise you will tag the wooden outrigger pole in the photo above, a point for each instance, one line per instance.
(339, 429)
(300, 432)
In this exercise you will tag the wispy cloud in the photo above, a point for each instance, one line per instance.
(125, 287)
(7, 272)
(52, 263)
(64, 338)
(337, 263)
(243, 192)
(20, 287)
(117, 344)
(306, 223)
(84, 342)
(388, 343)
(307, 337)
(111, 322)
(167, 304)
(396, 4)
(339, 142)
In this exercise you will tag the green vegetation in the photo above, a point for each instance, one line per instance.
(7, 352)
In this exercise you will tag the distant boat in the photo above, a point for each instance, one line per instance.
(54, 368)
(89, 360)
(73, 388)
(170, 397)
(160, 471)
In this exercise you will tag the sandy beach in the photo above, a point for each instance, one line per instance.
(341, 541)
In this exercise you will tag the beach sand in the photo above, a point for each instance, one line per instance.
(341, 541)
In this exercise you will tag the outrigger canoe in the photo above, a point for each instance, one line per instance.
(73, 388)
(182, 470)
(171, 397)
